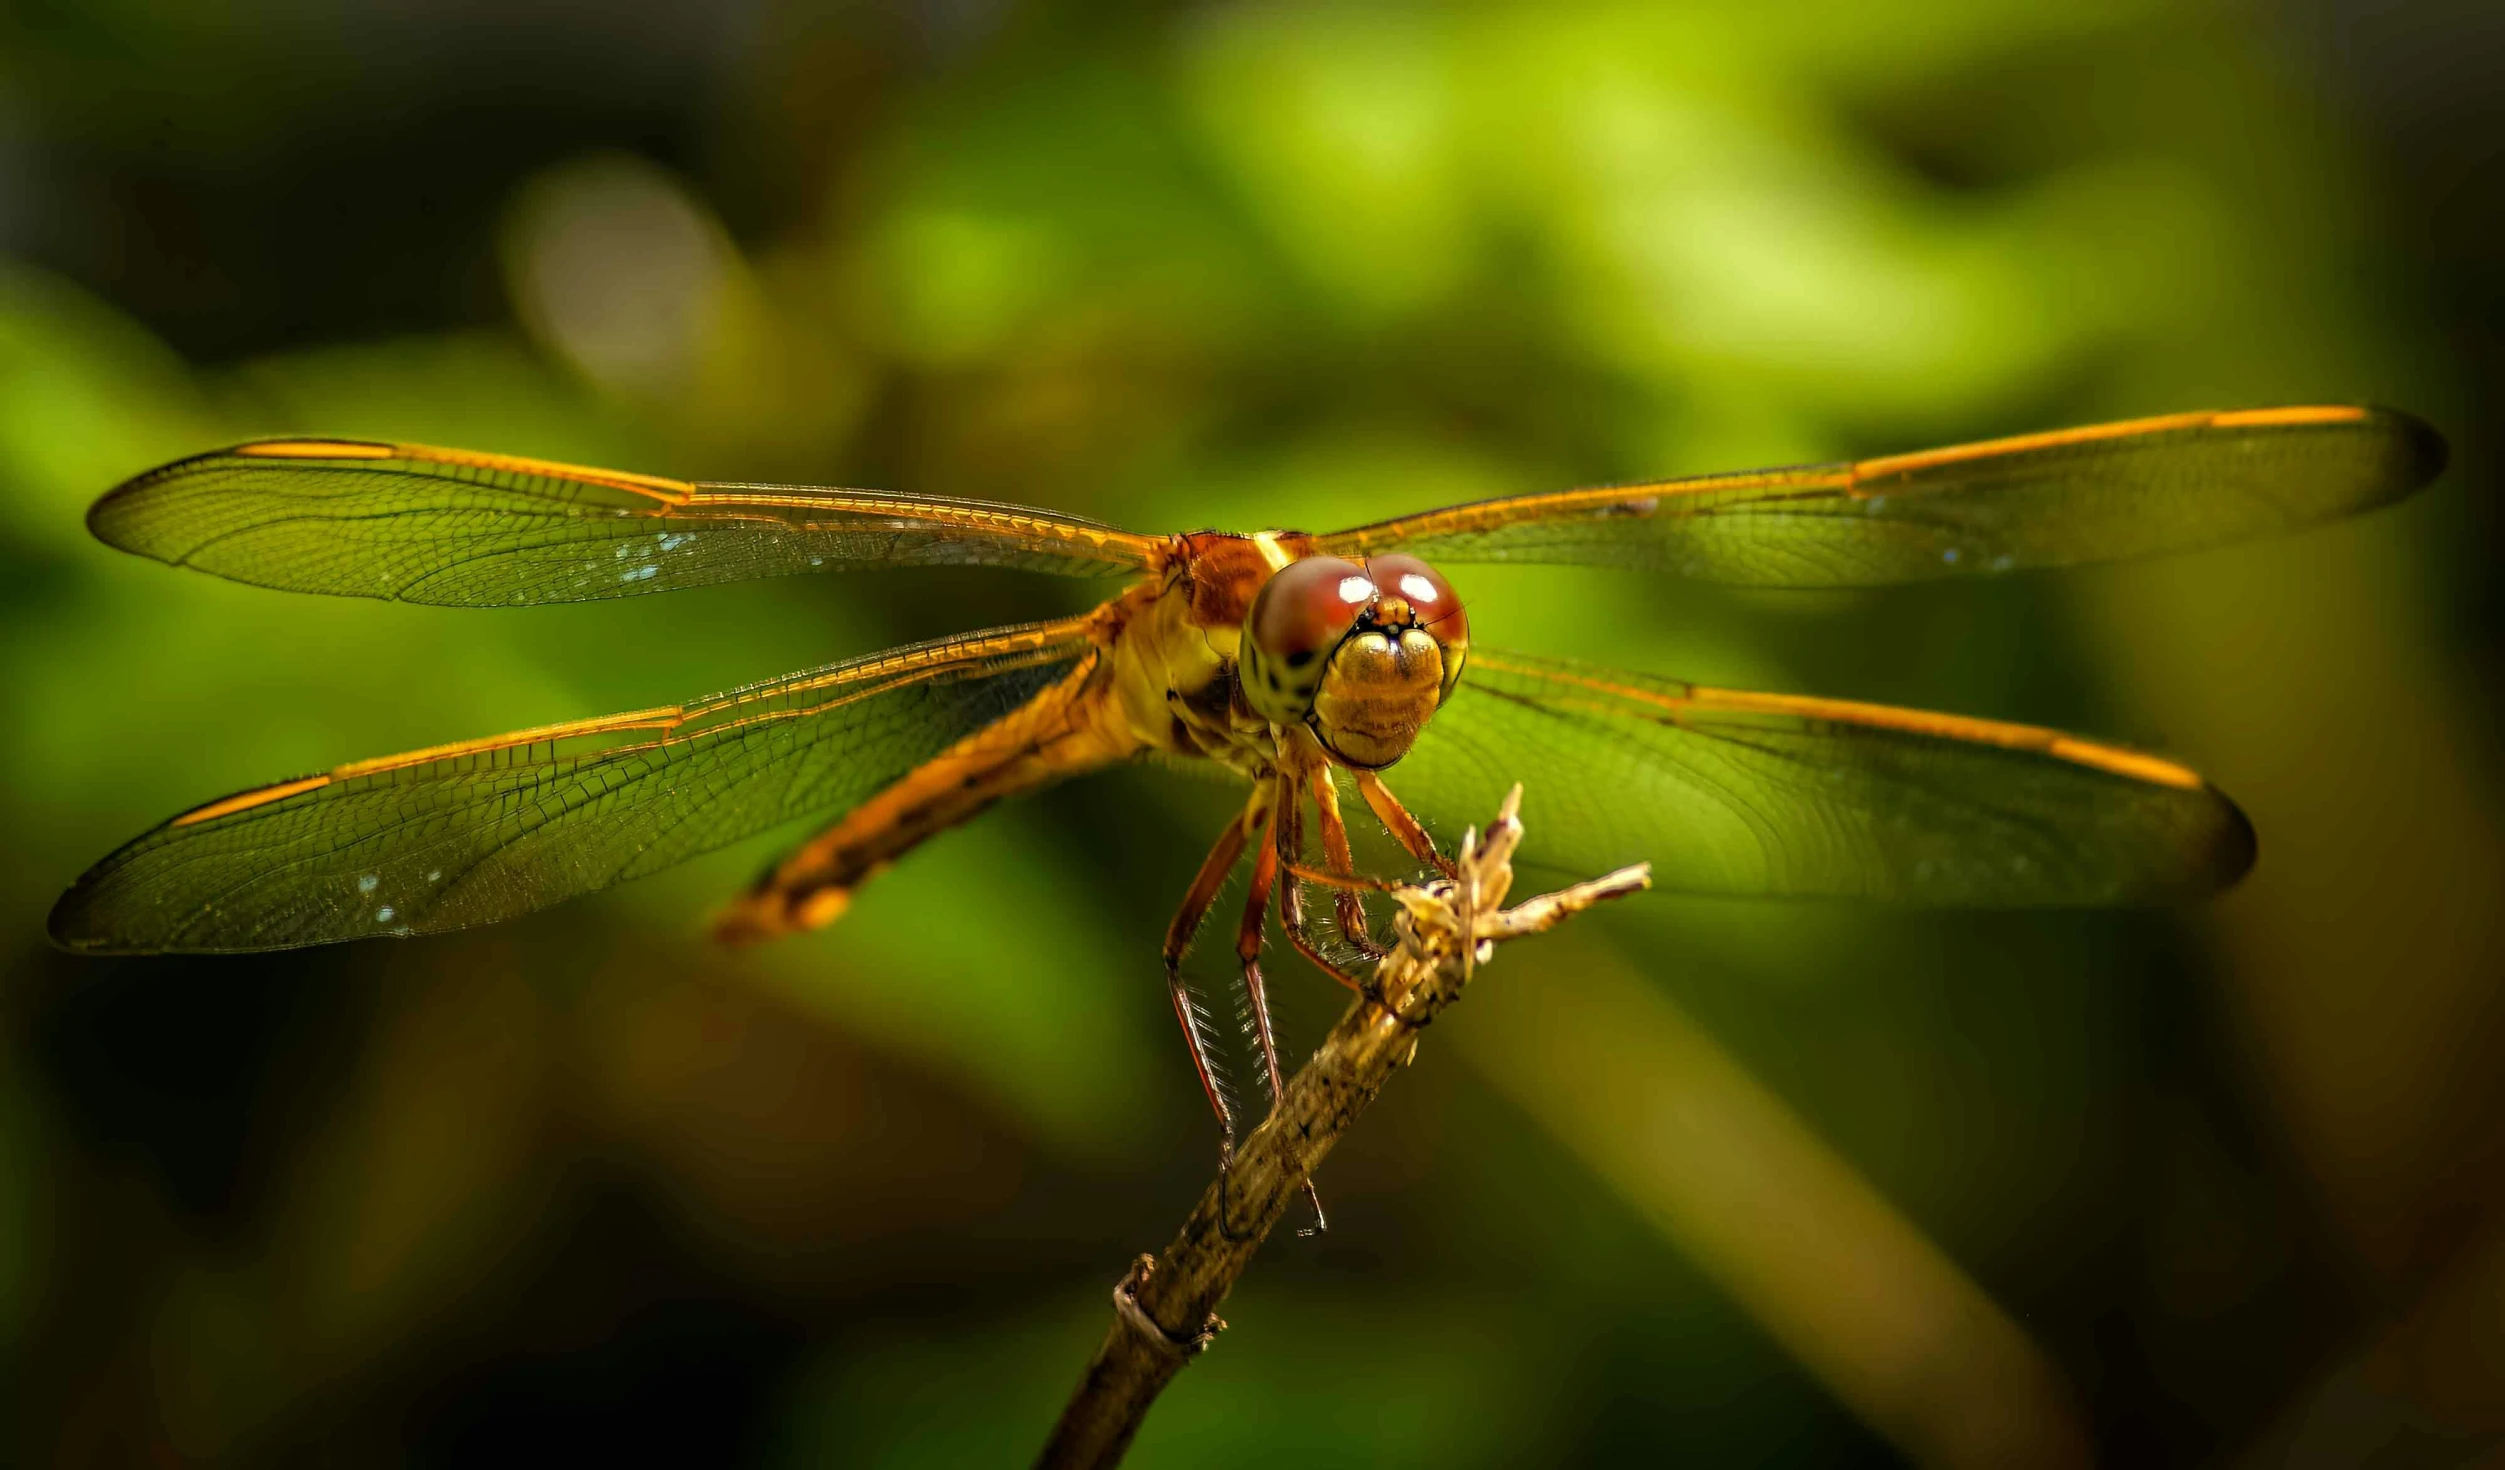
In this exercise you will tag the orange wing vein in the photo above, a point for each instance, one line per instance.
(1744, 794)
(482, 830)
(2099, 493)
(416, 524)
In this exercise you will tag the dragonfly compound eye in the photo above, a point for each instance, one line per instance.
(1296, 621)
(1432, 604)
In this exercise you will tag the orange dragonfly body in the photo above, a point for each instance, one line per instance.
(1307, 665)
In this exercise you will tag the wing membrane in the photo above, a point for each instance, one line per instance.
(406, 522)
(473, 833)
(1744, 794)
(2077, 495)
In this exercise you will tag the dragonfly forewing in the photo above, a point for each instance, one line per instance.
(2101, 493)
(458, 528)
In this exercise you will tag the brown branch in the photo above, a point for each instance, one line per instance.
(1165, 1309)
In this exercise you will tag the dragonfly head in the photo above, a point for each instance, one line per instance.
(1362, 655)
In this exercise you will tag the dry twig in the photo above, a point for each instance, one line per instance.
(1165, 1309)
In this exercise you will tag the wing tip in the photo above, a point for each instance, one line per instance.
(73, 925)
(2421, 453)
(109, 519)
(106, 520)
(2231, 848)
(88, 919)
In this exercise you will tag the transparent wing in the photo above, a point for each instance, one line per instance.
(406, 522)
(2077, 495)
(1745, 794)
(490, 829)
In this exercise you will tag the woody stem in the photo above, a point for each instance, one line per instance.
(1165, 1307)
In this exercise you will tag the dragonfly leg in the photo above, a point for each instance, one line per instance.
(1197, 901)
(1348, 907)
(1248, 933)
(1397, 821)
(1281, 835)
(1292, 897)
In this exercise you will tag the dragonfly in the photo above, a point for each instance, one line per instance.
(1321, 670)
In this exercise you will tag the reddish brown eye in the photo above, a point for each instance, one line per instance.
(1431, 599)
(1307, 608)
(1297, 618)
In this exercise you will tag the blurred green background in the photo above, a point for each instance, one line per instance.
(1744, 1184)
